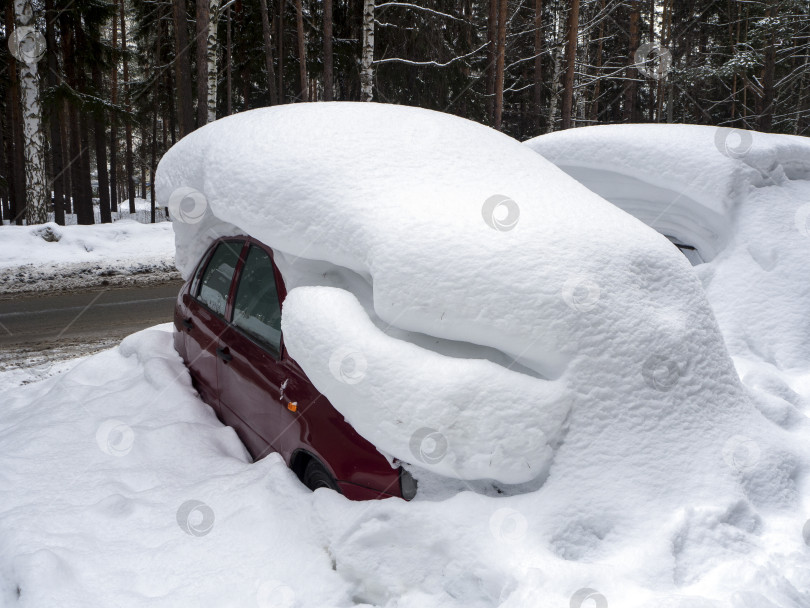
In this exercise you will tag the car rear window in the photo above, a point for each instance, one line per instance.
(256, 309)
(216, 280)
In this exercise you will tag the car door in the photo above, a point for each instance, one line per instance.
(205, 324)
(251, 380)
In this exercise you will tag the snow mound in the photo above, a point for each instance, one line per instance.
(560, 285)
(683, 180)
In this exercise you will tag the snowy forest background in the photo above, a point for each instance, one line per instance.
(93, 92)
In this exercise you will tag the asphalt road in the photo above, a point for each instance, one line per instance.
(40, 322)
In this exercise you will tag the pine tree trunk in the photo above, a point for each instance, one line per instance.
(57, 160)
(185, 111)
(228, 65)
(367, 57)
(201, 44)
(114, 123)
(328, 60)
(280, 50)
(631, 87)
(500, 62)
(79, 199)
(38, 198)
(130, 169)
(570, 64)
(85, 126)
(213, 74)
(15, 162)
(765, 109)
(492, 56)
(538, 62)
(302, 50)
(101, 155)
(268, 53)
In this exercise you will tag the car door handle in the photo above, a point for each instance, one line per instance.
(224, 354)
(187, 323)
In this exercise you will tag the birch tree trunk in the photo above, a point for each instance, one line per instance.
(268, 53)
(367, 58)
(37, 196)
(213, 74)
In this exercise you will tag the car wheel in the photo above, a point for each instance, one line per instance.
(316, 476)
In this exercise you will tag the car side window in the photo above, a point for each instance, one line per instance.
(256, 309)
(216, 280)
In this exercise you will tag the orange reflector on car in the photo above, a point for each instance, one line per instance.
(292, 406)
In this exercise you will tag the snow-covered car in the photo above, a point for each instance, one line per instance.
(228, 322)
(467, 307)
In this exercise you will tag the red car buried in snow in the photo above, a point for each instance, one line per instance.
(228, 331)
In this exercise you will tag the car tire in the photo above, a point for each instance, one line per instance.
(316, 476)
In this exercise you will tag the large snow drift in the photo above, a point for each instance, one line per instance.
(550, 306)
(683, 180)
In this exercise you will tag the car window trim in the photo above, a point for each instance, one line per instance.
(239, 263)
(237, 277)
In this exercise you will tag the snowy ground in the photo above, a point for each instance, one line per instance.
(51, 257)
(677, 481)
